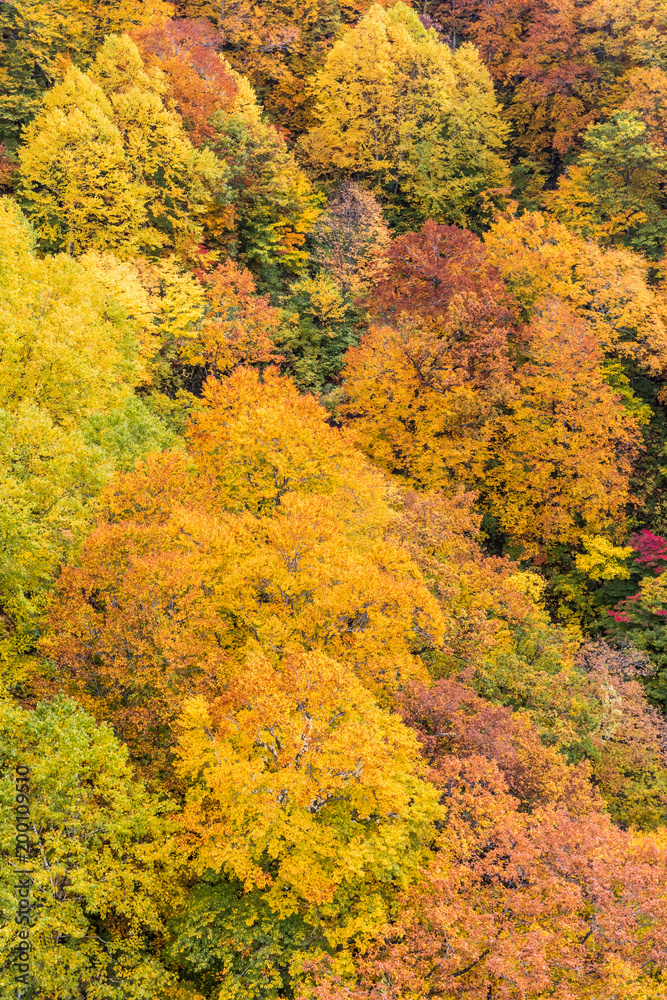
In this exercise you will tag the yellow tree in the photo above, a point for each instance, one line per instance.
(40, 40)
(444, 397)
(609, 289)
(70, 363)
(74, 175)
(420, 392)
(614, 192)
(413, 411)
(303, 788)
(106, 166)
(418, 122)
(64, 346)
(90, 850)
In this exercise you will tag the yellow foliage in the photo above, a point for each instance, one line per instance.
(398, 107)
(303, 787)
(539, 257)
(326, 301)
(105, 166)
(65, 345)
(602, 560)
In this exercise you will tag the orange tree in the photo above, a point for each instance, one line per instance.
(270, 538)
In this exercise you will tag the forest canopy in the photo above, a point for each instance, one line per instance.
(333, 539)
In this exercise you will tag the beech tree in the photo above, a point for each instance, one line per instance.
(39, 42)
(101, 882)
(612, 290)
(264, 550)
(419, 123)
(106, 166)
(564, 444)
(303, 788)
(445, 357)
(70, 364)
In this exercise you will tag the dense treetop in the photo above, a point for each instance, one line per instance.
(333, 539)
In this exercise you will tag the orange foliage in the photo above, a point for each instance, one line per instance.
(199, 81)
(445, 360)
(480, 596)
(275, 543)
(563, 449)
(238, 324)
(525, 897)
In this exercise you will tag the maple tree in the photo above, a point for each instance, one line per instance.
(199, 83)
(262, 205)
(560, 68)
(511, 885)
(278, 46)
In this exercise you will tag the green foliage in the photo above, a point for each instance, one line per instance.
(395, 757)
(67, 417)
(266, 205)
(615, 191)
(234, 946)
(127, 434)
(99, 856)
(314, 339)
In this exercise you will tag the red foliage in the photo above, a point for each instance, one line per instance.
(429, 269)
(454, 722)
(442, 275)
(651, 551)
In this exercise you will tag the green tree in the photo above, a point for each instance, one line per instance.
(101, 874)
(266, 205)
(614, 192)
(68, 420)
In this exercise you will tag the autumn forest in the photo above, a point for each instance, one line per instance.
(333, 500)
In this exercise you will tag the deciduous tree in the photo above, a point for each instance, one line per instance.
(276, 545)
(614, 192)
(99, 872)
(106, 166)
(563, 448)
(419, 123)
